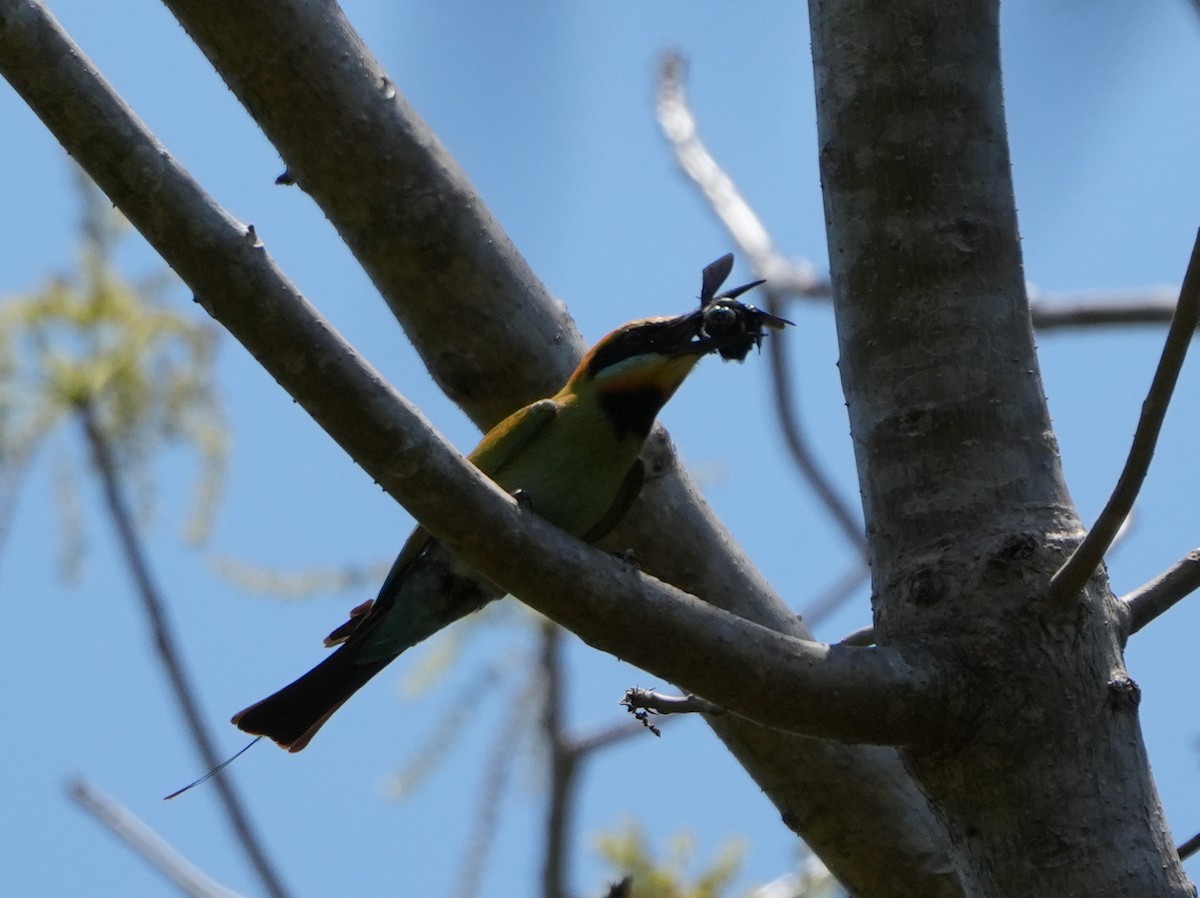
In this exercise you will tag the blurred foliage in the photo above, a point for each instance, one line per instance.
(289, 585)
(91, 338)
(628, 851)
(650, 877)
(447, 727)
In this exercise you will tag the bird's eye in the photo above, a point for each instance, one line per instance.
(635, 338)
(720, 320)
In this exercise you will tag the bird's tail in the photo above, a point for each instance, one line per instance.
(415, 601)
(293, 715)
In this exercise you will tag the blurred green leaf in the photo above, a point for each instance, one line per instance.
(93, 338)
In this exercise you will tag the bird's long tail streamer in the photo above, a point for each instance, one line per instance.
(215, 770)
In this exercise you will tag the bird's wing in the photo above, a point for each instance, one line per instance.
(506, 440)
(630, 487)
(500, 446)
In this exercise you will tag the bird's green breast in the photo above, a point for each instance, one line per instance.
(574, 467)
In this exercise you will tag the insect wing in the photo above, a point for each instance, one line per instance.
(713, 277)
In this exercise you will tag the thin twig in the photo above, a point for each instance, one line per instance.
(604, 737)
(567, 756)
(836, 594)
(168, 652)
(146, 843)
(1188, 848)
(563, 763)
(797, 443)
(1099, 308)
(1072, 576)
(746, 228)
(1152, 599)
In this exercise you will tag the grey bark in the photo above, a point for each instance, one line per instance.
(1047, 792)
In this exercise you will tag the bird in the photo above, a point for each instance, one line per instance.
(572, 458)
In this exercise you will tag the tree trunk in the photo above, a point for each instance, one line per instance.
(1047, 791)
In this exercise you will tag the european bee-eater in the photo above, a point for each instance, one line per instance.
(573, 455)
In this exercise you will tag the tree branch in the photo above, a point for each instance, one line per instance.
(169, 655)
(187, 227)
(797, 442)
(1154, 598)
(146, 843)
(604, 736)
(1188, 848)
(1073, 575)
(638, 699)
(1096, 308)
(837, 594)
(743, 224)
(863, 636)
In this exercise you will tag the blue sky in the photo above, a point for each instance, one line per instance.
(548, 107)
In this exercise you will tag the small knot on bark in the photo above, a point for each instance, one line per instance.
(926, 587)
(1123, 693)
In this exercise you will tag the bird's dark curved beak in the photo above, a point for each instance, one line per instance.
(684, 335)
